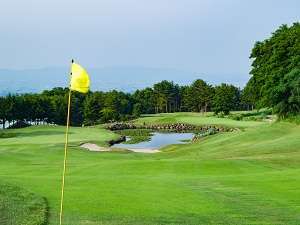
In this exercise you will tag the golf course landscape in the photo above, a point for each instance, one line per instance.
(126, 112)
(248, 176)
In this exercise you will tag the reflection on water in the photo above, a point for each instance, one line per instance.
(158, 140)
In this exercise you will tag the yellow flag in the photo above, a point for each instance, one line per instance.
(80, 80)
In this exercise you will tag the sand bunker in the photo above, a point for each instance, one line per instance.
(96, 148)
(142, 150)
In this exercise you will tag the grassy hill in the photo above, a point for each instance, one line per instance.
(247, 177)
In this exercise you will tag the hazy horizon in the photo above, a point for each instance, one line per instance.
(127, 79)
(206, 36)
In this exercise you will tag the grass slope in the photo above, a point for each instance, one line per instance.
(18, 206)
(194, 118)
(249, 177)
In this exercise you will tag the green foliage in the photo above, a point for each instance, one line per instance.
(145, 100)
(108, 115)
(260, 115)
(276, 61)
(236, 117)
(167, 96)
(6, 105)
(249, 96)
(100, 107)
(226, 98)
(93, 105)
(137, 109)
(286, 96)
(198, 97)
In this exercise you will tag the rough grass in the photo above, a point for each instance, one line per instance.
(249, 177)
(20, 207)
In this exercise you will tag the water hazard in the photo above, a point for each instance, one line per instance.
(158, 140)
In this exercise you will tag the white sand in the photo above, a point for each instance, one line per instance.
(143, 150)
(96, 148)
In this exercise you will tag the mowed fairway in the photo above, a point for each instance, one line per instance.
(246, 177)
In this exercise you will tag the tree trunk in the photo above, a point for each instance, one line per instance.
(205, 107)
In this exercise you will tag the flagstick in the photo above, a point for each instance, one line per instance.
(65, 161)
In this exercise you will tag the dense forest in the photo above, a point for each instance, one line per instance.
(275, 80)
(274, 83)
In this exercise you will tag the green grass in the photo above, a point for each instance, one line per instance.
(6, 135)
(249, 177)
(195, 118)
(18, 206)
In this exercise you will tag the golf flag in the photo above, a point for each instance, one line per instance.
(80, 80)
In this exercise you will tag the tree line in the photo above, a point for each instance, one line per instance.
(50, 106)
(275, 80)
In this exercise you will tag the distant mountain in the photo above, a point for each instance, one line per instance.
(125, 79)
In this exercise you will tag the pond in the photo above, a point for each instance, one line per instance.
(158, 140)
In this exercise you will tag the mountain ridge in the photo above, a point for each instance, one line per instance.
(122, 78)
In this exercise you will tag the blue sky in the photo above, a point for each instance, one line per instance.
(203, 36)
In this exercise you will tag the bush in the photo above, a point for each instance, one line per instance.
(251, 116)
(236, 116)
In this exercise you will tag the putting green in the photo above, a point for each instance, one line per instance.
(248, 177)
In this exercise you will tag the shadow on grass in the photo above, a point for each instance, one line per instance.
(21, 207)
(47, 214)
(31, 134)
